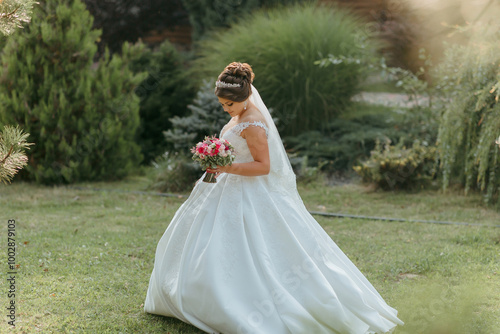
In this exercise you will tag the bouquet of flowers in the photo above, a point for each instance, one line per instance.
(213, 152)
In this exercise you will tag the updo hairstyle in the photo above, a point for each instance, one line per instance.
(236, 73)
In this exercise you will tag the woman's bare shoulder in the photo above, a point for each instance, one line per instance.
(253, 115)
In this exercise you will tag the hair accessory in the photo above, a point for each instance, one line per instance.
(222, 84)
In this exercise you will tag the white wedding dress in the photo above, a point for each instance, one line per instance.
(243, 255)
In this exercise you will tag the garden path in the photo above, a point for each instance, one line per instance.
(390, 99)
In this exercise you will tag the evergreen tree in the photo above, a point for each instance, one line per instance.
(206, 119)
(13, 13)
(175, 170)
(165, 93)
(12, 140)
(82, 116)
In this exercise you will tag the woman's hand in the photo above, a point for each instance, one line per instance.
(219, 170)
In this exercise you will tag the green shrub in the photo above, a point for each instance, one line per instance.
(206, 119)
(398, 167)
(173, 172)
(349, 139)
(82, 118)
(165, 93)
(469, 78)
(282, 46)
(305, 173)
(352, 136)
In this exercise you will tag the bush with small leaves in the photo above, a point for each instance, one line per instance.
(395, 167)
(350, 138)
(173, 172)
(206, 119)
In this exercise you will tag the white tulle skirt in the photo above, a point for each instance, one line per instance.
(238, 258)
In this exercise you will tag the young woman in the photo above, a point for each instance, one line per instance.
(243, 255)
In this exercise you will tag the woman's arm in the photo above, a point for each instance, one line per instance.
(257, 143)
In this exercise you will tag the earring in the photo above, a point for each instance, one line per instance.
(245, 105)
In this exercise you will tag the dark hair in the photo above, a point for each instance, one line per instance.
(236, 73)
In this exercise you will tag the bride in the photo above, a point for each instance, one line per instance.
(243, 255)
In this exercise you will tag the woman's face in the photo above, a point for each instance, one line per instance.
(232, 108)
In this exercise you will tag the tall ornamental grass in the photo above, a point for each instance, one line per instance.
(282, 45)
(470, 79)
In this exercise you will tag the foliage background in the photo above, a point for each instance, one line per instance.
(469, 78)
(175, 170)
(206, 16)
(82, 116)
(303, 95)
(127, 21)
(165, 93)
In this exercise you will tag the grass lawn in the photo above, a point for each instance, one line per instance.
(85, 256)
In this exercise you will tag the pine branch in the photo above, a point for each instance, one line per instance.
(13, 13)
(9, 15)
(12, 156)
(8, 155)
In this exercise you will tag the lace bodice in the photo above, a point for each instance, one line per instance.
(233, 135)
(285, 185)
(238, 128)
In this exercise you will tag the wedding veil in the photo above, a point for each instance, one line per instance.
(281, 176)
